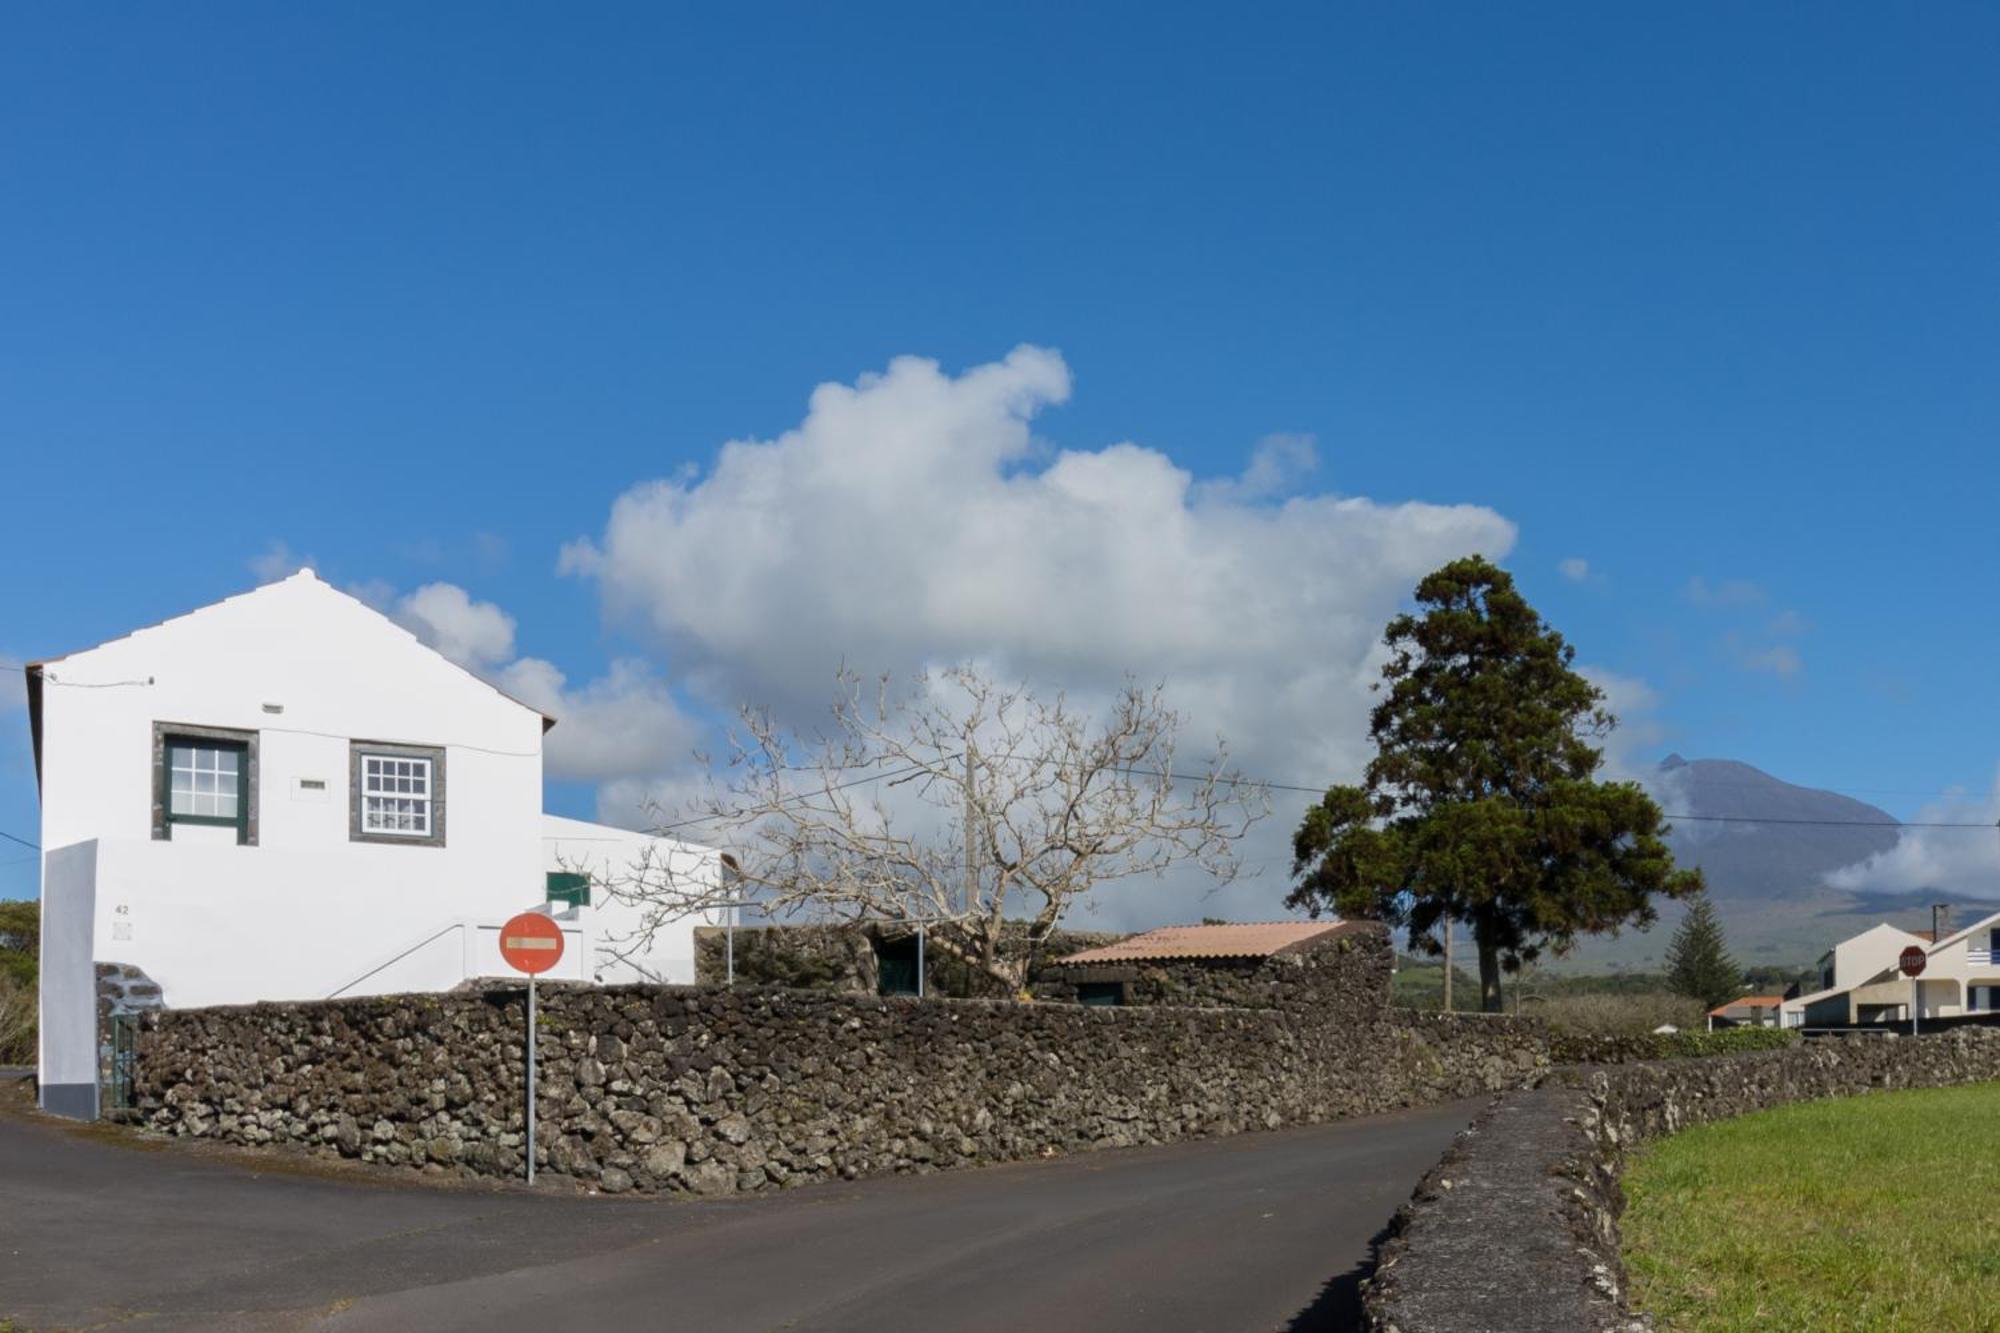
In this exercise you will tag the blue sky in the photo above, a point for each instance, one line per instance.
(1702, 296)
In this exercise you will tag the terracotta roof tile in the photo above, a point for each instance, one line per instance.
(1249, 939)
(1763, 1001)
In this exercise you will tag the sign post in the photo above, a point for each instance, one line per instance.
(533, 944)
(1913, 961)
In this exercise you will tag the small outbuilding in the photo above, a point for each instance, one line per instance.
(1251, 964)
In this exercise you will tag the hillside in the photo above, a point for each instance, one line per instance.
(1768, 880)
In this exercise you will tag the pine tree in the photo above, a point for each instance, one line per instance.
(1698, 961)
(1482, 803)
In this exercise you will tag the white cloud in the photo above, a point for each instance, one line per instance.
(1278, 465)
(625, 724)
(1724, 592)
(1787, 625)
(1780, 660)
(1626, 750)
(278, 561)
(1574, 568)
(912, 518)
(1959, 861)
(472, 634)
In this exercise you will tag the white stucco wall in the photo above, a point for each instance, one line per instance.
(1859, 958)
(624, 950)
(67, 1063)
(225, 925)
(340, 672)
(304, 912)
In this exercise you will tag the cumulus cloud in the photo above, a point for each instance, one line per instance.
(1780, 660)
(1962, 862)
(913, 518)
(624, 724)
(1574, 568)
(1633, 702)
(278, 561)
(1277, 467)
(472, 634)
(1724, 592)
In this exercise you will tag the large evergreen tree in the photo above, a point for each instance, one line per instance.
(1481, 804)
(1698, 961)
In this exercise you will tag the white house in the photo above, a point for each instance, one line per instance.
(1860, 981)
(286, 796)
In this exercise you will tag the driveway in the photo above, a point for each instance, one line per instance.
(1256, 1232)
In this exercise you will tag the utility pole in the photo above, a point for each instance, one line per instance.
(974, 837)
(1447, 964)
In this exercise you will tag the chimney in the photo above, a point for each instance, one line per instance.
(1940, 921)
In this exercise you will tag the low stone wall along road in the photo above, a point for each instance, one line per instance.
(1251, 1232)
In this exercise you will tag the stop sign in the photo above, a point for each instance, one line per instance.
(1912, 960)
(531, 943)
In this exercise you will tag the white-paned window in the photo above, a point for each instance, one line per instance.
(204, 781)
(396, 793)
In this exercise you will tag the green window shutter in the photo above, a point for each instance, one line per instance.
(569, 888)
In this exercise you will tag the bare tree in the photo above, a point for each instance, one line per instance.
(960, 804)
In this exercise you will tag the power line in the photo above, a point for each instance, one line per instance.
(1691, 818)
(801, 796)
(23, 841)
(1833, 823)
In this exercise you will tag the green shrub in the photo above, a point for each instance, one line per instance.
(1725, 1041)
(18, 1013)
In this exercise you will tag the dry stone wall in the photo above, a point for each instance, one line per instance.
(715, 1091)
(843, 957)
(1516, 1229)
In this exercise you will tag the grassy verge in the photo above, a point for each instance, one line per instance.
(1873, 1212)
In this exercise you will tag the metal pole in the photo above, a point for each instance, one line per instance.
(531, 1078)
(1447, 964)
(1916, 1003)
(974, 835)
(729, 946)
(920, 960)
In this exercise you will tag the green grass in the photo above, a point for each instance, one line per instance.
(1873, 1212)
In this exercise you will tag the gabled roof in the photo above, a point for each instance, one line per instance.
(1982, 924)
(1747, 1002)
(1250, 939)
(1803, 1000)
(34, 671)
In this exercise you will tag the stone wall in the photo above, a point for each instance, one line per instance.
(123, 991)
(843, 958)
(718, 1091)
(1229, 983)
(1517, 1227)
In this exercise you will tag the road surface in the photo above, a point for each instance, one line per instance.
(1255, 1232)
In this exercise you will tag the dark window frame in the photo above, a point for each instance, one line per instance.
(357, 754)
(243, 742)
(1102, 994)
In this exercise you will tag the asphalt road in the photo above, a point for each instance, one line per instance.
(1257, 1232)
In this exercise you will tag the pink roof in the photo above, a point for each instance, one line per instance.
(1249, 939)
(1748, 1002)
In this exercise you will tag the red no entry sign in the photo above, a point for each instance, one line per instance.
(1912, 961)
(531, 943)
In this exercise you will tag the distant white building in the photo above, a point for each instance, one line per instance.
(286, 796)
(1860, 981)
